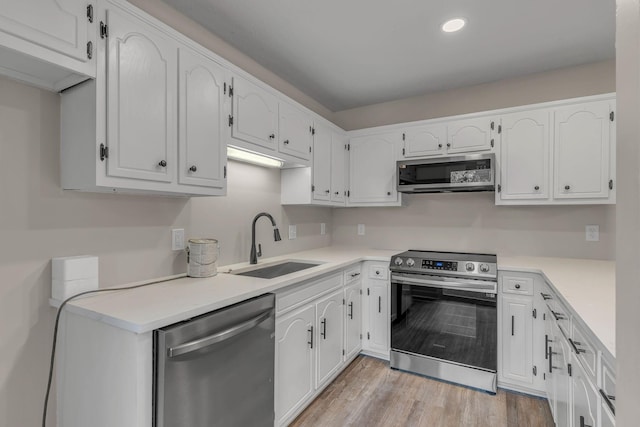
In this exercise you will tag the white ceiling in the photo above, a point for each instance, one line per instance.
(349, 53)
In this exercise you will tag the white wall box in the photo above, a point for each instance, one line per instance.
(323, 183)
(48, 43)
(119, 132)
(372, 170)
(376, 319)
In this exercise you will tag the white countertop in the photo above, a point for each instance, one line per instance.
(588, 286)
(145, 309)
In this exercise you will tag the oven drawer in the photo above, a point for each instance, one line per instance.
(517, 285)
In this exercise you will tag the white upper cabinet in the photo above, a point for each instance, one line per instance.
(142, 108)
(296, 131)
(322, 164)
(582, 150)
(525, 156)
(372, 170)
(202, 137)
(470, 135)
(423, 141)
(338, 168)
(46, 42)
(255, 114)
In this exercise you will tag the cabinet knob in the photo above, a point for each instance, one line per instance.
(567, 187)
(388, 193)
(162, 163)
(536, 187)
(439, 145)
(273, 135)
(517, 285)
(286, 142)
(193, 168)
(327, 191)
(337, 192)
(448, 144)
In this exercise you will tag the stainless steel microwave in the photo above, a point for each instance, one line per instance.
(474, 172)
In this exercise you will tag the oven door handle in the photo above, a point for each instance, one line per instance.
(475, 286)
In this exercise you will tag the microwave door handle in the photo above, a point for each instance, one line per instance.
(207, 341)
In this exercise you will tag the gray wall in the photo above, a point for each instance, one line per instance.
(130, 234)
(628, 214)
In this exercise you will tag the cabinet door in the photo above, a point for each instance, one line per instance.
(560, 355)
(607, 419)
(294, 361)
(525, 155)
(470, 135)
(59, 25)
(517, 334)
(330, 335)
(322, 165)
(585, 397)
(372, 169)
(296, 131)
(422, 141)
(141, 100)
(353, 320)
(255, 114)
(378, 313)
(581, 145)
(202, 144)
(338, 168)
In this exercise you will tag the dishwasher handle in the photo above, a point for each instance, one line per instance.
(201, 343)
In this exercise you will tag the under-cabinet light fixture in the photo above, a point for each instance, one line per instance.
(254, 158)
(453, 25)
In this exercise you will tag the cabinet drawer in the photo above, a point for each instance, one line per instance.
(585, 351)
(299, 294)
(380, 272)
(517, 285)
(352, 274)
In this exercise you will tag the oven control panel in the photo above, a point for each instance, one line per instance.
(440, 265)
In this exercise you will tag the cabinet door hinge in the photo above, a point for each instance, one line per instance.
(403, 151)
(368, 291)
(492, 125)
(313, 131)
(104, 152)
(89, 49)
(611, 116)
(492, 142)
(499, 188)
(343, 352)
(360, 291)
(403, 136)
(230, 91)
(348, 193)
(230, 118)
(610, 184)
(90, 13)
(348, 147)
(309, 148)
(535, 371)
(104, 30)
(499, 128)
(360, 337)
(535, 313)
(313, 188)
(569, 370)
(225, 171)
(544, 316)
(368, 336)
(343, 302)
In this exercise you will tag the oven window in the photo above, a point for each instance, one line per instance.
(454, 326)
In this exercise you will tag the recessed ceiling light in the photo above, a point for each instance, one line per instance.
(453, 25)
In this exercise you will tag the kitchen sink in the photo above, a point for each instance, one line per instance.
(271, 271)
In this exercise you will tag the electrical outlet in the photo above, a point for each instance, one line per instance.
(323, 228)
(592, 233)
(177, 239)
(360, 229)
(293, 232)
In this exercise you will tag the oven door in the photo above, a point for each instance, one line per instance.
(454, 320)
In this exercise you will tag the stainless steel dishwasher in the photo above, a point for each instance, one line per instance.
(217, 369)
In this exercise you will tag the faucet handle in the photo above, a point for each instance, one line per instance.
(259, 250)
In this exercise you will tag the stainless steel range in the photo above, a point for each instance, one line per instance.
(444, 316)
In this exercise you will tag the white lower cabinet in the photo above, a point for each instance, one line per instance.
(330, 336)
(517, 334)
(376, 320)
(607, 419)
(294, 362)
(353, 320)
(585, 396)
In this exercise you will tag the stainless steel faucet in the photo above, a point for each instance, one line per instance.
(253, 258)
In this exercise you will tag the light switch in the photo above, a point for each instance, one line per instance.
(360, 229)
(592, 233)
(293, 232)
(323, 228)
(177, 239)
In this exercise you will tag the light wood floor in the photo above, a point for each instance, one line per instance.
(369, 393)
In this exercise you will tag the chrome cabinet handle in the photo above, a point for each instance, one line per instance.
(162, 163)
(608, 399)
(218, 337)
(193, 168)
(379, 304)
(351, 310)
(310, 342)
(324, 328)
(513, 321)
